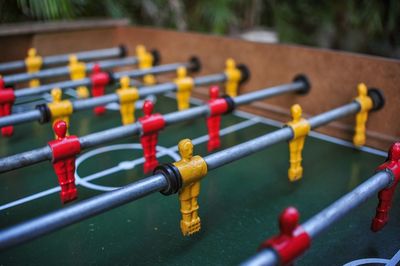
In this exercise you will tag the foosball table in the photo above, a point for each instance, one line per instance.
(264, 154)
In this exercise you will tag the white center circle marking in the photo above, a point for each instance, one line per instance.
(125, 165)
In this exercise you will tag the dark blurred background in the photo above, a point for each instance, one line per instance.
(371, 27)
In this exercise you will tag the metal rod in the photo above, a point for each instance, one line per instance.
(242, 150)
(324, 219)
(102, 137)
(64, 71)
(337, 210)
(87, 82)
(64, 58)
(153, 70)
(20, 118)
(25, 158)
(27, 92)
(272, 91)
(263, 258)
(108, 135)
(58, 219)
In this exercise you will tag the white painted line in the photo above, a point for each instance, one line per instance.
(387, 262)
(30, 198)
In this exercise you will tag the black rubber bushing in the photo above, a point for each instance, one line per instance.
(231, 103)
(123, 51)
(194, 64)
(156, 57)
(377, 98)
(173, 177)
(307, 85)
(111, 79)
(45, 113)
(245, 73)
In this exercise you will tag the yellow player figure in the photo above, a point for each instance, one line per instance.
(362, 116)
(127, 98)
(300, 127)
(33, 64)
(59, 109)
(145, 61)
(78, 71)
(233, 77)
(191, 168)
(185, 85)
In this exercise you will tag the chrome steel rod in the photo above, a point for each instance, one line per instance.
(24, 92)
(64, 58)
(61, 218)
(64, 71)
(333, 213)
(337, 210)
(20, 118)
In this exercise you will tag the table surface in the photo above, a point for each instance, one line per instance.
(239, 202)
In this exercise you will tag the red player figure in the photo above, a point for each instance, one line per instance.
(65, 148)
(292, 240)
(99, 80)
(385, 196)
(7, 99)
(213, 122)
(151, 125)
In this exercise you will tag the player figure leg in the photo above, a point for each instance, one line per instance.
(147, 150)
(296, 170)
(231, 88)
(359, 137)
(153, 153)
(71, 187)
(190, 222)
(382, 211)
(127, 113)
(183, 98)
(5, 109)
(213, 125)
(60, 169)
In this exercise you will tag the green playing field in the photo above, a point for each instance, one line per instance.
(239, 202)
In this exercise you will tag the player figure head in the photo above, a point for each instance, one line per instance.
(230, 63)
(185, 147)
(31, 52)
(148, 107)
(125, 82)
(214, 92)
(56, 94)
(96, 68)
(288, 220)
(296, 112)
(394, 152)
(140, 50)
(73, 59)
(362, 90)
(60, 129)
(181, 72)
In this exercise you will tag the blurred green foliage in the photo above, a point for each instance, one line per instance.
(362, 26)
